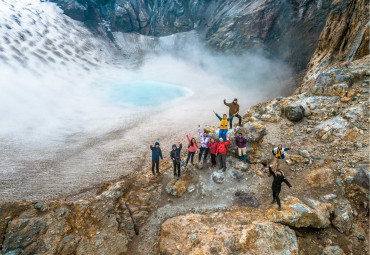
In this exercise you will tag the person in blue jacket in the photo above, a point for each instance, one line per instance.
(176, 159)
(156, 153)
(224, 121)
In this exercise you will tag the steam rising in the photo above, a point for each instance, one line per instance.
(60, 95)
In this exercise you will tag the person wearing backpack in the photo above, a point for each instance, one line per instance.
(213, 149)
(279, 178)
(278, 153)
(224, 125)
(233, 111)
(156, 153)
(176, 159)
(222, 152)
(192, 148)
(204, 140)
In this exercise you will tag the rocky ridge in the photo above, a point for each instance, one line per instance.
(285, 29)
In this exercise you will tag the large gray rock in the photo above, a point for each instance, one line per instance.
(218, 176)
(362, 177)
(334, 82)
(294, 112)
(297, 214)
(332, 250)
(343, 216)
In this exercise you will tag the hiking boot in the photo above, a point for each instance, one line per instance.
(273, 201)
(279, 208)
(204, 160)
(158, 173)
(153, 173)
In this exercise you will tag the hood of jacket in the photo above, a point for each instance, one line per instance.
(156, 143)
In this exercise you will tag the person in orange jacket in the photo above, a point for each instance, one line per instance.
(222, 152)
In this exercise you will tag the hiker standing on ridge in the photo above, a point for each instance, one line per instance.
(176, 158)
(213, 149)
(204, 140)
(156, 153)
(223, 128)
(278, 153)
(276, 185)
(192, 148)
(222, 151)
(233, 111)
(241, 143)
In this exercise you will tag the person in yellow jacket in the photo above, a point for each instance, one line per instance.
(224, 121)
(233, 112)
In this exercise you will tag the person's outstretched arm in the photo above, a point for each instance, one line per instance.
(232, 116)
(196, 145)
(151, 146)
(187, 136)
(271, 172)
(227, 104)
(287, 183)
(160, 153)
(180, 147)
(218, 116)
(200, 132)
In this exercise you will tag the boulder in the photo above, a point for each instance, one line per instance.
(236, 174)
(225, 233)
(320, 178)
(70, 227)
(294, 112)
(336, 126)
(362, 177)
(218, 176)
(176, 187)
(332, 250)
(295, 213)
(333, 83)
(264, 238)
(246, 199)
(343, 216)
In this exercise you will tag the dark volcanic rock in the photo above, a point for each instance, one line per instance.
(246, 199)
(286, 29)
(362, 178)
(294, 112)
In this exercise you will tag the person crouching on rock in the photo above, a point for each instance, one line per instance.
(276, 185)
(278, 153)
(224, 122)
(233, 111)
(213, 149)
(176, 158)
(204, 140)
(222, 152)
(156, 153)
(192, 148)
(241, 143)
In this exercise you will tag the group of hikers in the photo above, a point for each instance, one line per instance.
(219, 148)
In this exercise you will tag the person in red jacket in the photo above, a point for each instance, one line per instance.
(213, 149)
(192, 148)
(222, 151)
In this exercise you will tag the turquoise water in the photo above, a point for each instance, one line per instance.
(145, 93)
